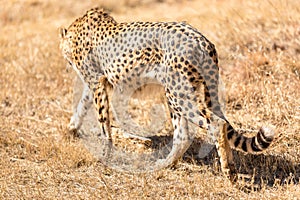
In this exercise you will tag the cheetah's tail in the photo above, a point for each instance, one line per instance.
(255, 144)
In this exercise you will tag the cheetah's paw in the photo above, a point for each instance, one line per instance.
(73, 126)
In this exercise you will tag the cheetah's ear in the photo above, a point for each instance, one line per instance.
(62, 32)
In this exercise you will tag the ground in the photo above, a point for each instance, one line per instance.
(259, 48)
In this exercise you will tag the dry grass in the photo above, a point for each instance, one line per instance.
(259, 48)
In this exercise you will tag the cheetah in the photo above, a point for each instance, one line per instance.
(104, 52)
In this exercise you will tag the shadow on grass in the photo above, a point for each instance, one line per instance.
(260, 169)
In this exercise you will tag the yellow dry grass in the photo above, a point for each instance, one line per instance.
(259, 48)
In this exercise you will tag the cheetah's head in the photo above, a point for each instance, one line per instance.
(66, 44)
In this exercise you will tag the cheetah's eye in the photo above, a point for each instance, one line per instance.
(70, 63)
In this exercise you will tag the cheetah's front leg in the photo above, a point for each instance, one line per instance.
(102, 107)
(81, 109)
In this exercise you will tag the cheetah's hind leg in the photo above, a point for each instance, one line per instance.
(219, 128)
(181, 141)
